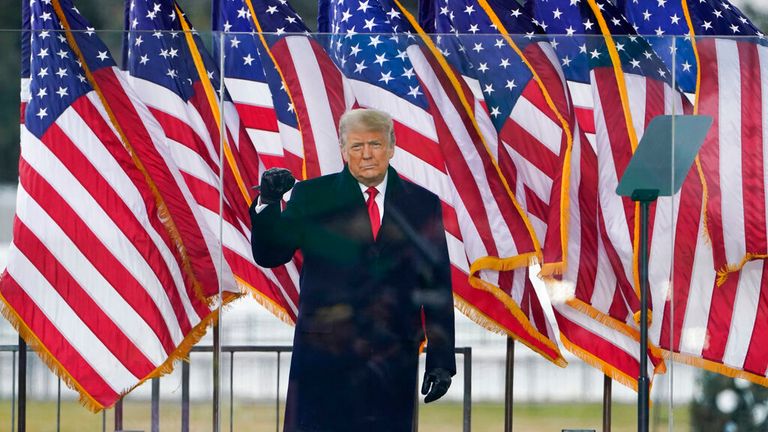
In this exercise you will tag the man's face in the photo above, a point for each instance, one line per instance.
(367, 153)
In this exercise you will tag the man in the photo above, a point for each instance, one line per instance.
(375, 262)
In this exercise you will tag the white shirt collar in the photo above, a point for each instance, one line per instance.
(381, 187)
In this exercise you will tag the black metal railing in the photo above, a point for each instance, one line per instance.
(19, 397)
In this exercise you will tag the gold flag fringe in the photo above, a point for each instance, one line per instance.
(717, 367)
(266, 302)
(180, 353)
(726, 270)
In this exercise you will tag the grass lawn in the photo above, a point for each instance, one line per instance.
(440, 417)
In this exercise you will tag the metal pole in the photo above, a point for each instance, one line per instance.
(58, 406)
(216, 377)
(231, 390)
(642, 381)
(13, 392)
(277, 396)
(184, 396)
(119, 415)
(510, 374)
(467, 389)
(155, 405)
(607, 398)
(415, 425)
(22, 413)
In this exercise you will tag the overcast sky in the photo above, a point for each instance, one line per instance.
(761, 5)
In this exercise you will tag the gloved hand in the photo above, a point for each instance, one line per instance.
(274, 183)
(435, 384)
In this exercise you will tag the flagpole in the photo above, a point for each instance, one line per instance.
(607, 398)
(22, 407)
(510, 376)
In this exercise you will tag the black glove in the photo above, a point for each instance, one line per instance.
(435, 384)
(274, 183)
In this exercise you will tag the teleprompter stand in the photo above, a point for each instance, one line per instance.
(660, 164)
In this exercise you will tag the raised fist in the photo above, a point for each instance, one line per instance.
(274, 183)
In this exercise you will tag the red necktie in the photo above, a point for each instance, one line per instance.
(373, 211)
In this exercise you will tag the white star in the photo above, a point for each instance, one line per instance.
(380, 59)
(393, 14)
(488, 89)
(619, 46)
(686, 66)
(510, 84)
(414, 91)
(345, 16)
(157, 34)
(359, 67)
(61, 72)
(588, 24)
(227, 26)
(242, 12)
(734, 28)
(363, 6)
(473, 28)
(504, 63)
(401, 55)
(164, 53)
(707, 25)
(272, 10)
(81, 78)
(280, 31)
(144, 59)
(662, 72)
(469, 10)
(248, 60)
(234, 43)
(408, 73)
(134, 23)
(569, 31)
(370, 24)
(675, 19)
(615, 21)
(354, 50)
(62, 54)
(43, 53)
(647, 15)
(45, 16)
(102, 55)
(635, 63)
(62, 91)
(495, 112)
(44, 34)
(386, 77)
(718, 14)
(595, 53)
(557, 13)
(583, 48)
(171, 73)
(516, 13)
(42, 113)
(662, 3)
(647, 54)
(90, 31)
(499, 43)
(151, 15)
(375, 41)
(659, 31)
(444, 10)
(478, 47)
(554, 43)
(566, 61)
(172, 15)
(483, 67)
(42, 92)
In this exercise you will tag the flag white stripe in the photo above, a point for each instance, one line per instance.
(89, 278)
(729, 139)
(637, 95)
(318, 106)
(745, 306)
(266, 142)
(530, 175)
(190, 162)
(62, 317)
(249, 92)
(762, 53)
(37, 155)
(538, 124)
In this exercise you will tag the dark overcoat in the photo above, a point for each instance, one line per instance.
(355, 348)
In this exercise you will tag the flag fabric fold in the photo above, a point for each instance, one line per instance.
(111, 276)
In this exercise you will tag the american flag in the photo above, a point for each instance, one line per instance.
(275, 70)
(716, 320)
(376, 48)
(110, 275)
(256, 87)
(620, 84)
(531, 117)
(175, 77)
